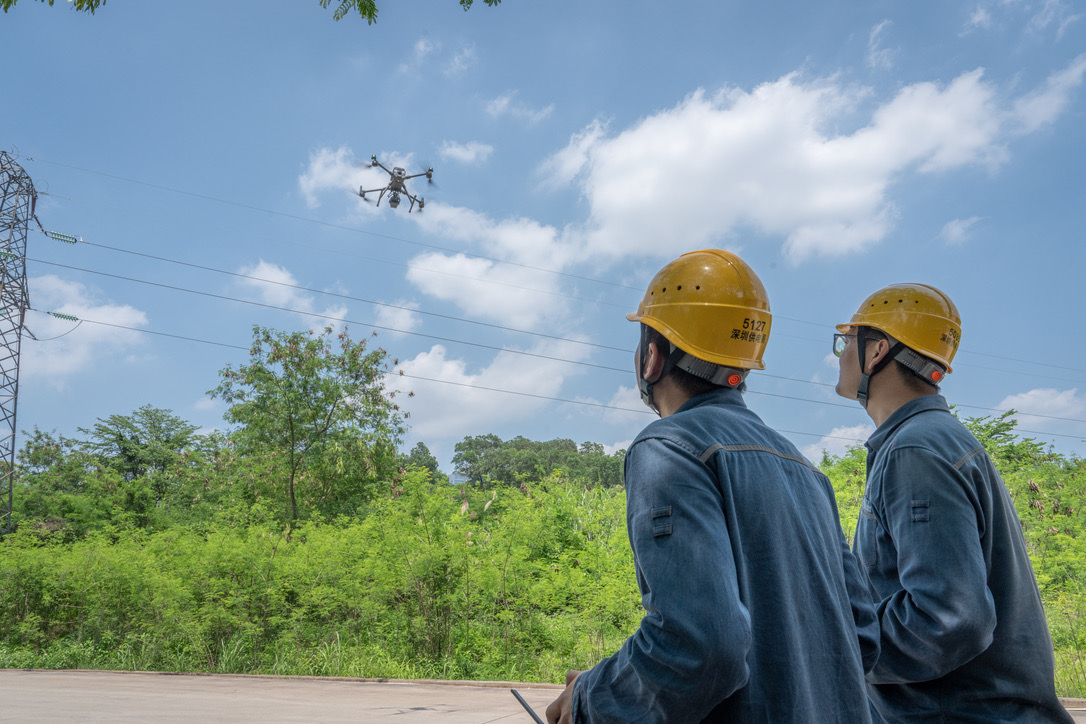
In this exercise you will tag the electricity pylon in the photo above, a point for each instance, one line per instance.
(17, 199)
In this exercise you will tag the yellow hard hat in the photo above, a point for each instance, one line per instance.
(919, 316)
(711, 305)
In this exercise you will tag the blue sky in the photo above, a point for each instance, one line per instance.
(206, 153)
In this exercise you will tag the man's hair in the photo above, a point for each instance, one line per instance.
(914, 381)
(688, 383)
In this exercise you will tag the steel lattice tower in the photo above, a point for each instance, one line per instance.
(17, 197)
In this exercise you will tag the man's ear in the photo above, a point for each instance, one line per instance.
(877, 349)
(654, 364)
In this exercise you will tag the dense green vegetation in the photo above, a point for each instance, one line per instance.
(301, 542)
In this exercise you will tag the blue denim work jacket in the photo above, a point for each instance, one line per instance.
(752, 597)
(964, 636)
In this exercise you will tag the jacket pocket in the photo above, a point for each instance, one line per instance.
(661, 521)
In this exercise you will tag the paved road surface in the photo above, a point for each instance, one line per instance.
(102, 696)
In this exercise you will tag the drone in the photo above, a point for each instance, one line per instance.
(396, 186)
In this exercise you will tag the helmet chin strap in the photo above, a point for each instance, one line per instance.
(865, 377)
(643, 385)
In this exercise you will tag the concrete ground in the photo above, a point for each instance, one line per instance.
(106, 696)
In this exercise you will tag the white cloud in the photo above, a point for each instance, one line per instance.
(423, 48)
(399, 317)
(507, 105)
(420, 51)
(64, 347)
(276, 286)
(1045, 401)
(958, 230)
(205, 404)
(460, 62)
(838, 441)
(878, 57)
(1040, 107)
(337, 169)
(472, 152)
(461, 404)
(774, 161)
(620, 445)
(980, 18)
(629, 404)
(1053, 12)
(563, 167)
(509, 295)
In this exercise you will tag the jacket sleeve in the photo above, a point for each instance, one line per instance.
(944, 614)
(863, 609)
(689, 652)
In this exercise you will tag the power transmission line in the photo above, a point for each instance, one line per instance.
(558, 399)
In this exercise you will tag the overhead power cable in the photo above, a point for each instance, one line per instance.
(478, 344)
(329, 318)
(474, 344)
(348, 297)
(73, 240)
(556, 399)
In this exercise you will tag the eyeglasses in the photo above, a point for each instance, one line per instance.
(840, 341)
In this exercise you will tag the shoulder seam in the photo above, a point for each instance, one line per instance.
(969, 456)
(704, 457)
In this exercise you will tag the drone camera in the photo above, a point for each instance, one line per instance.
(394, 200)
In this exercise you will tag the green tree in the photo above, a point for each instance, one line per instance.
(62, 489)
(144, 444)
(488, 461)
(317, 404)
(366, 9)
(421, 457)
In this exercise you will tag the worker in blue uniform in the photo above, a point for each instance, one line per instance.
(755, 608)
(963, 632)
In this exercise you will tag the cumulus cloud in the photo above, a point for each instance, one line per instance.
(773, 160)
(620, 445)
(958, 230)
(338, 169)
(508, 105)
(63, 347)
(838, 441)
(1047, 402)
(472, 152)
(276, 286)
(517, 292)
(451, 401)
(625, 405)
(399, 317)
(563, 167)
(510, 295)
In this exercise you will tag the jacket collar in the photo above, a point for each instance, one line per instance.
(903, 413)
(721, 396)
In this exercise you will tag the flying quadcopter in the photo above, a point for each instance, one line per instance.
(396, 186)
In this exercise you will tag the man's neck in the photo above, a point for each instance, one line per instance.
(668, 397)
(885, 399)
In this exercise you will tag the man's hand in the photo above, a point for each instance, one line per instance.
(560, 710)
